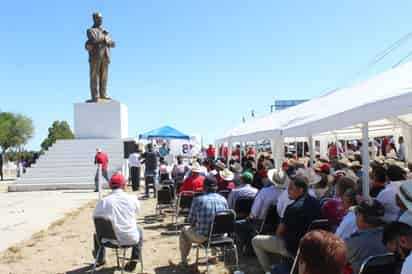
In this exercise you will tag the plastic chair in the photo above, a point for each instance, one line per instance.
(164, 199)
(224, 192)
(243, 206)
(221, 228)
(184, 203)
(107, 238)
(322, 224)
(380, 264)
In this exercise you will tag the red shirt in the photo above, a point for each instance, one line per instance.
(210, 152)
(101, 158)
(251, 153)
(236, 154)
(193, 183)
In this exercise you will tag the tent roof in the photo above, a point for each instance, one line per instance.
(165, 132)
(385, 99)
(386, 95)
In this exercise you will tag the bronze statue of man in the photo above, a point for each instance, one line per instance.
(98, 45)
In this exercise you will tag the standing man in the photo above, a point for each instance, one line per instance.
(210, 152)
(401, 150)
(98, 45)
(102, 159)
(1, 166)
(134, 163)
(151, 160)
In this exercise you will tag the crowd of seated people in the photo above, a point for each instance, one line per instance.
(331, 191)
(303, 195)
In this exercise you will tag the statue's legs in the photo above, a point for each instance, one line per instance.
(94, 78)
(104, 69)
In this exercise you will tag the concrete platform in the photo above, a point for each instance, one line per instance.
(26, 213)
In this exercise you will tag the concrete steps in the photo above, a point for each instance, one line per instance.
(69, 164)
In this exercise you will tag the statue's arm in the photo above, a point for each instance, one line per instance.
(108, 40)
(94, 36)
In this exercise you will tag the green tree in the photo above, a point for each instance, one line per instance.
(15, 130)
(58, 130)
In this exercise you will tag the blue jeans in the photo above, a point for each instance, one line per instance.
(96, 178)
(155, 175)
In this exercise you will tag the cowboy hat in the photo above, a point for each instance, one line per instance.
(196, 167)
(310, 174)
(278, 177)
(227, 175)
(405, 193)
(220, 164)
(236, 167)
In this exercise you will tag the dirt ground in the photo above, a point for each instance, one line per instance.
(66, 247)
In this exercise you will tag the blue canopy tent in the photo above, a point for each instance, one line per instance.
(165, 132)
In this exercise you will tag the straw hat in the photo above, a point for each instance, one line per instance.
(227, 175)
(405, 193)
(310, 174)
(356, 164)
(278, 177)
(236, 167)
(196, 167)
(220, 164)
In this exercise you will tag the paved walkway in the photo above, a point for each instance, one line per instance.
(25, 213)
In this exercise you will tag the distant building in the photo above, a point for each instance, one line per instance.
(283, 104)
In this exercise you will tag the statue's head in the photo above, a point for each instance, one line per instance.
(97, 19)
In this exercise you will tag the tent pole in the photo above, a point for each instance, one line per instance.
(365, 160)
(311, 151)
(303, 149)
(229, 152)
(273, 143)
(346, 148)
(296, 148)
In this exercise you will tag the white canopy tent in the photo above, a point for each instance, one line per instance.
(379, 106)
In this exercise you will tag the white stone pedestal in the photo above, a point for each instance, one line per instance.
(100, 120)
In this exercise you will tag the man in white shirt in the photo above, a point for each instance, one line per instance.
(387, 197)
(348, 225)
(121, 209)
(134, 163)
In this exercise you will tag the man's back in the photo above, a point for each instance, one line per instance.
(134, 160)
(193, 183)
(203, 210)
(243, 191)
(298, 216)
(363, 244)
(122, 209)
(151, 158)
(103, 159)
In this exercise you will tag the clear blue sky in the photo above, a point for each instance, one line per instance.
(196, 65)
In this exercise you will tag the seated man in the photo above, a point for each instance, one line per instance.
(195, 181)
(297, 218)
(244, 190)
(397, 237)
(367, 241)
(266, 197)
(200, 217)
(121, 209)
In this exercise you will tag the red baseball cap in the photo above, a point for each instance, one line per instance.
(117, 180)
(325, 168)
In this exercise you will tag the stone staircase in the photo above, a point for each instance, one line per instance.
(69, 164)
